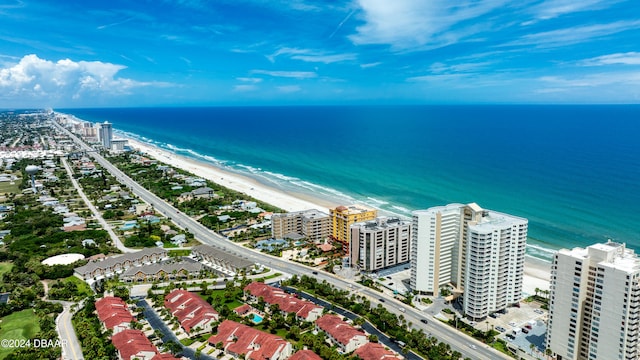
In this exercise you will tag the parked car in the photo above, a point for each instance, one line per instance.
(424, 321)
(525, 330)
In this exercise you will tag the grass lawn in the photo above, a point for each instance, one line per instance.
(176, 253)
(8, 188)
(5, 267)
(83, 289)
(220, 293)
(19, 325)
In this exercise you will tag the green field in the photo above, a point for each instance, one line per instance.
(20, 325)
(8, 188)
(83, 289)
(5, 267)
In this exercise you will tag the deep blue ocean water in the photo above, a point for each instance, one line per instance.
(573, 171)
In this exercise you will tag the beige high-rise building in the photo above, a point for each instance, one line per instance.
(594, 304)
(380, 243)
(477, 252)
(312, 224)
(342, 217)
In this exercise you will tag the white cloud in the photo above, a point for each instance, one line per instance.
(40, 79)
(629, 78)
(244, 88)
(554, 8)
(289, 88)
(287, 74)
(573, 35)
(407, 24)
(309, 55)
(253, 80)
(441, 68)
(630, 58)
(370, 65)
(434, 78)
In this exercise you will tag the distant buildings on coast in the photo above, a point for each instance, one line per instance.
(99, 134)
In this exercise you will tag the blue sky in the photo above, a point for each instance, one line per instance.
(262, 52)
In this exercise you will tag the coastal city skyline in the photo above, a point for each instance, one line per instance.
(174, 219)
(307, 52)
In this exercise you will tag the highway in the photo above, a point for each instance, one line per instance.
(458, 341)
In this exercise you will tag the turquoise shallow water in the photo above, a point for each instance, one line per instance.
(573, 171)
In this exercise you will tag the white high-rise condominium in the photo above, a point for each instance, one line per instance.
(436, 247)
(478, 252)
(380, 243)
(106, 134)
(594, 305)
(495, 248)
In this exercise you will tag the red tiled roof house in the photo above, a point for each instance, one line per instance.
(305, 355)
(133, 344)
(375, 351)
(304, 310)
(346, 337)
(195, 315)
(245, 342)
(114, 313)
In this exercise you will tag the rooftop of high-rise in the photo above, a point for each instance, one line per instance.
(610, 254)
(353, 209)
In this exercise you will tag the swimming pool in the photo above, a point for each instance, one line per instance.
(257, 319)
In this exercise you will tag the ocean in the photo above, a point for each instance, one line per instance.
(573, 171)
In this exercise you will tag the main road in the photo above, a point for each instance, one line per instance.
(458, 341)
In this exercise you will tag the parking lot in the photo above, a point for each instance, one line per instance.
(514, 318)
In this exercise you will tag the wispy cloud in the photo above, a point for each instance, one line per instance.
(34, 77)
(244, 88)
(407, 24)
(442, 68)
(287, 74)
(550, 9)
(253, 80)
(287, 89)
(436, 77)
(187, 61)
(370, 65)
(309, 55)
(573, 35)
(629, 58)
(101, 27)
(594, 80)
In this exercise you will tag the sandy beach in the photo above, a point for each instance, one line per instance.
(536, 272)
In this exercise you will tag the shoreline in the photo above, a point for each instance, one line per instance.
(536, 271)
(233, 181)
